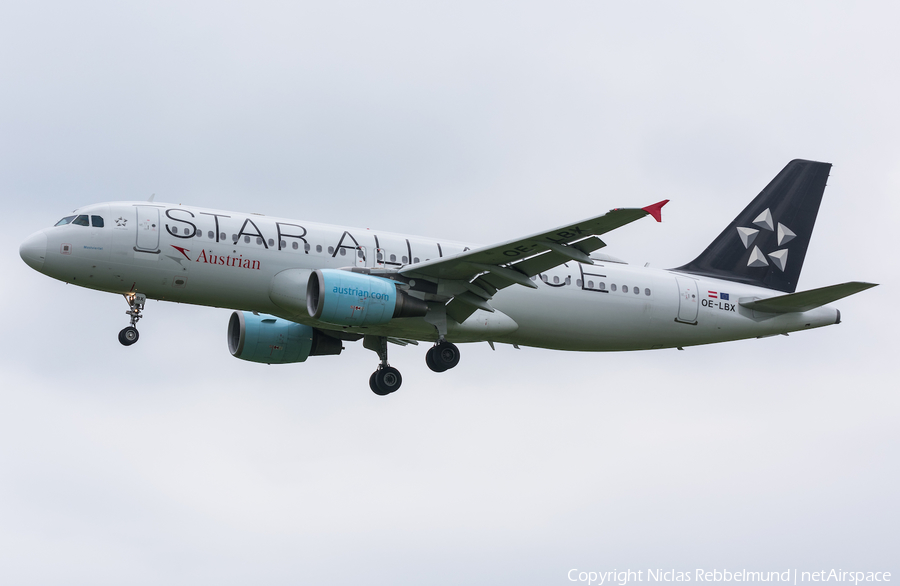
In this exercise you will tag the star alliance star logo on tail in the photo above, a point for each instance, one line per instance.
(757, 259)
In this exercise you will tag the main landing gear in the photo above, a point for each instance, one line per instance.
(129, 335)
(386, 379)
(442, 356)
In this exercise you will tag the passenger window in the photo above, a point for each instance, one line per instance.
(359, 253)
(601, 286)
(578, 282)
(416, 259)
(405, 259)
(624, 288)
(331, 250)
(318, 248)
(64, 221)
(591, 285)
(210, 235)
(637, 290)
(271, 242)
(222, 236)
(647, 292)
(393, 258)
(246, 240)
(96, 221)
(612, 287)
(81, 221)
(305, 246)
(258, 240)
(174, 229)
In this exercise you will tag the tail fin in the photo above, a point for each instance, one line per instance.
(766, 244)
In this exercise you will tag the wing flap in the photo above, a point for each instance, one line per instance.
(459, 310)
(541, 263)
(589, 245)
(806, 300)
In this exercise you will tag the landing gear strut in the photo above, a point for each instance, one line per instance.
(386, 379)
(129, 335)
(442, 356)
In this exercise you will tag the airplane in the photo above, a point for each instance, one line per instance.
(301, 289)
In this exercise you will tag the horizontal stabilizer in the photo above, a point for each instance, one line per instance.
(806, 300)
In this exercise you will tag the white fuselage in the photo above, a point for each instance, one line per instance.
(228, 259)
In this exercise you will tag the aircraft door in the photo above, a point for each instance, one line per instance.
(688, 300)
(147, 229)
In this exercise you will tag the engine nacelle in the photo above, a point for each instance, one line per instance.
(270, 340)
(353, 299)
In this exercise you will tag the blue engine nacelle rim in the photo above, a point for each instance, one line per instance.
(350, 299)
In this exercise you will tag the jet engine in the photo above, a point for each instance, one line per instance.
(270, 340)
(353, 299)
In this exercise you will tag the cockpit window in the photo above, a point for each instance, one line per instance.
(81, 220)
(64, 221)
(96, 221)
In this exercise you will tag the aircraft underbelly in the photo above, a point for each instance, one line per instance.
(571, 318)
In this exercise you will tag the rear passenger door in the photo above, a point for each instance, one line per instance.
(688, 300)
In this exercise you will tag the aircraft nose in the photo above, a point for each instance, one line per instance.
(33, 250)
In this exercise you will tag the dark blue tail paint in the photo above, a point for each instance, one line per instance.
(766, 244)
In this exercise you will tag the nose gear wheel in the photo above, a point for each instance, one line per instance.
(129, 335)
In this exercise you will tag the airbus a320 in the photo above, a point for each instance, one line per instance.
(301, 289)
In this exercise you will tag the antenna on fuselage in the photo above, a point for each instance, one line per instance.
(150, 199)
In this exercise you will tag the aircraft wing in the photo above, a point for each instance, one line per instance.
(472, 277)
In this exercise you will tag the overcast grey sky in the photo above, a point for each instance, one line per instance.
(172, 462)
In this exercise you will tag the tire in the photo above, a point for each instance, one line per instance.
(129, 336)
(429, 360)
(374, 385)
(387, 380)
(446, 355)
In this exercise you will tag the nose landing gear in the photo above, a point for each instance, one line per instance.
(130, 335)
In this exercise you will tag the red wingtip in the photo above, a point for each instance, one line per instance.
(655, 210)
